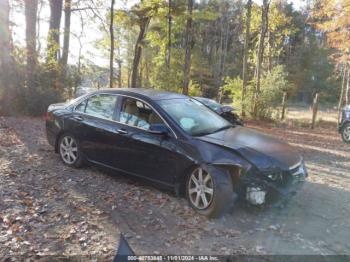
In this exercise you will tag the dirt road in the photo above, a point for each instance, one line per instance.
(47, 208)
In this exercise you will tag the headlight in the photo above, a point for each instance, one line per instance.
(274, 176)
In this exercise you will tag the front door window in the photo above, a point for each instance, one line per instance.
(138, 114)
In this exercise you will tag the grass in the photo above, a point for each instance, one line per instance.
(301, 116)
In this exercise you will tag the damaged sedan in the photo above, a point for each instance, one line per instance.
(176, 142)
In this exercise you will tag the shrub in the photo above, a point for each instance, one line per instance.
(273, 84)
(233, 87)
(38, 99)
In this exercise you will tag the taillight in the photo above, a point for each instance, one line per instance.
(48, 116)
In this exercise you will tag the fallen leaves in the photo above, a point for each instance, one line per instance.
(48, 208)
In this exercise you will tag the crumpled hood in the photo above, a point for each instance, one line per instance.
(263, 151)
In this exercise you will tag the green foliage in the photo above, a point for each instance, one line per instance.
(195, 89)
(295, 59)
(273, 84)
(272, 87)
(233, 87)
(36, 101)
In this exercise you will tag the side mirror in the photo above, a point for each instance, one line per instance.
(159, 129)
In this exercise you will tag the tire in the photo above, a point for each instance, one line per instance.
(222, 197)
(345, 133)
(69, 151)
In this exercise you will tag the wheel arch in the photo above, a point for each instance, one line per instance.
(343, 124)
(58, 136)
(233, 170)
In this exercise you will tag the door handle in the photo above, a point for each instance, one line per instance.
(122, 131)
(79, 118)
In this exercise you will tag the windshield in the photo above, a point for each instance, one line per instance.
(209, 102)
(194, 117)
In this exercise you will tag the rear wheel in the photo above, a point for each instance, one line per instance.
(209, 193)
(346, 133)
(70, 151)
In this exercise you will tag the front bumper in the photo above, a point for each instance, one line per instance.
(258, 189)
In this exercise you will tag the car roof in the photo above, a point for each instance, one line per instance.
(143, 92)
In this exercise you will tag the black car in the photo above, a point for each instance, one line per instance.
(344, 126)
(175, 141)
(227, 112)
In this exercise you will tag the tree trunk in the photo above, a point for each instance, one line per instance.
(284, 105)
(119, 62)
(314, 110)
(245, 55)
(138, 50)
(38, 23)
(53, 40)
(168, 54)
(341, 96)
(141, 72)
(129, 76)
(223, 46)
(188, 47)
(6, 59)
(269, 43)
(31, 7)
(347, 88)
(80, 42)
(111, 57)
(147, 73)
(67, 15)
(263, 30)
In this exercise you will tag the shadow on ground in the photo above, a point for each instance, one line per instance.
(85, 209)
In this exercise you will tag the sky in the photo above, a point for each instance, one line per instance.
(296, 3)
(91, 31)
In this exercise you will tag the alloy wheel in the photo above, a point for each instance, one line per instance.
(200, 188)
(69, 150)
(346, 134)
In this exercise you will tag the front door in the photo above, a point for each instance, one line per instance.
(145, 154)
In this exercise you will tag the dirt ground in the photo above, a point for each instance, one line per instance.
(47, 208)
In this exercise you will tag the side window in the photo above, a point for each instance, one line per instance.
(101, 106)
(81, 107)
(137, 113)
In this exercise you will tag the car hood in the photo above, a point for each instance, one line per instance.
(263, 151)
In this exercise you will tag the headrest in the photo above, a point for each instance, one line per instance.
(131, 107)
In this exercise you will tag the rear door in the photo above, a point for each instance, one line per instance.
(95, 127)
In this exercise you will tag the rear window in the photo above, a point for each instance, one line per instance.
(99, 106)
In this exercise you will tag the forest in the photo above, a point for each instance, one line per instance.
(259, 55)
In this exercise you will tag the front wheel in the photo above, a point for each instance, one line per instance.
(209, 193)
(70, 151)
(346, 133)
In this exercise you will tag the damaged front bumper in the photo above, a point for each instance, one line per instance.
(260, 188)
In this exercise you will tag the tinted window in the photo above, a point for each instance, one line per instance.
(137, 113)
(101, 106)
